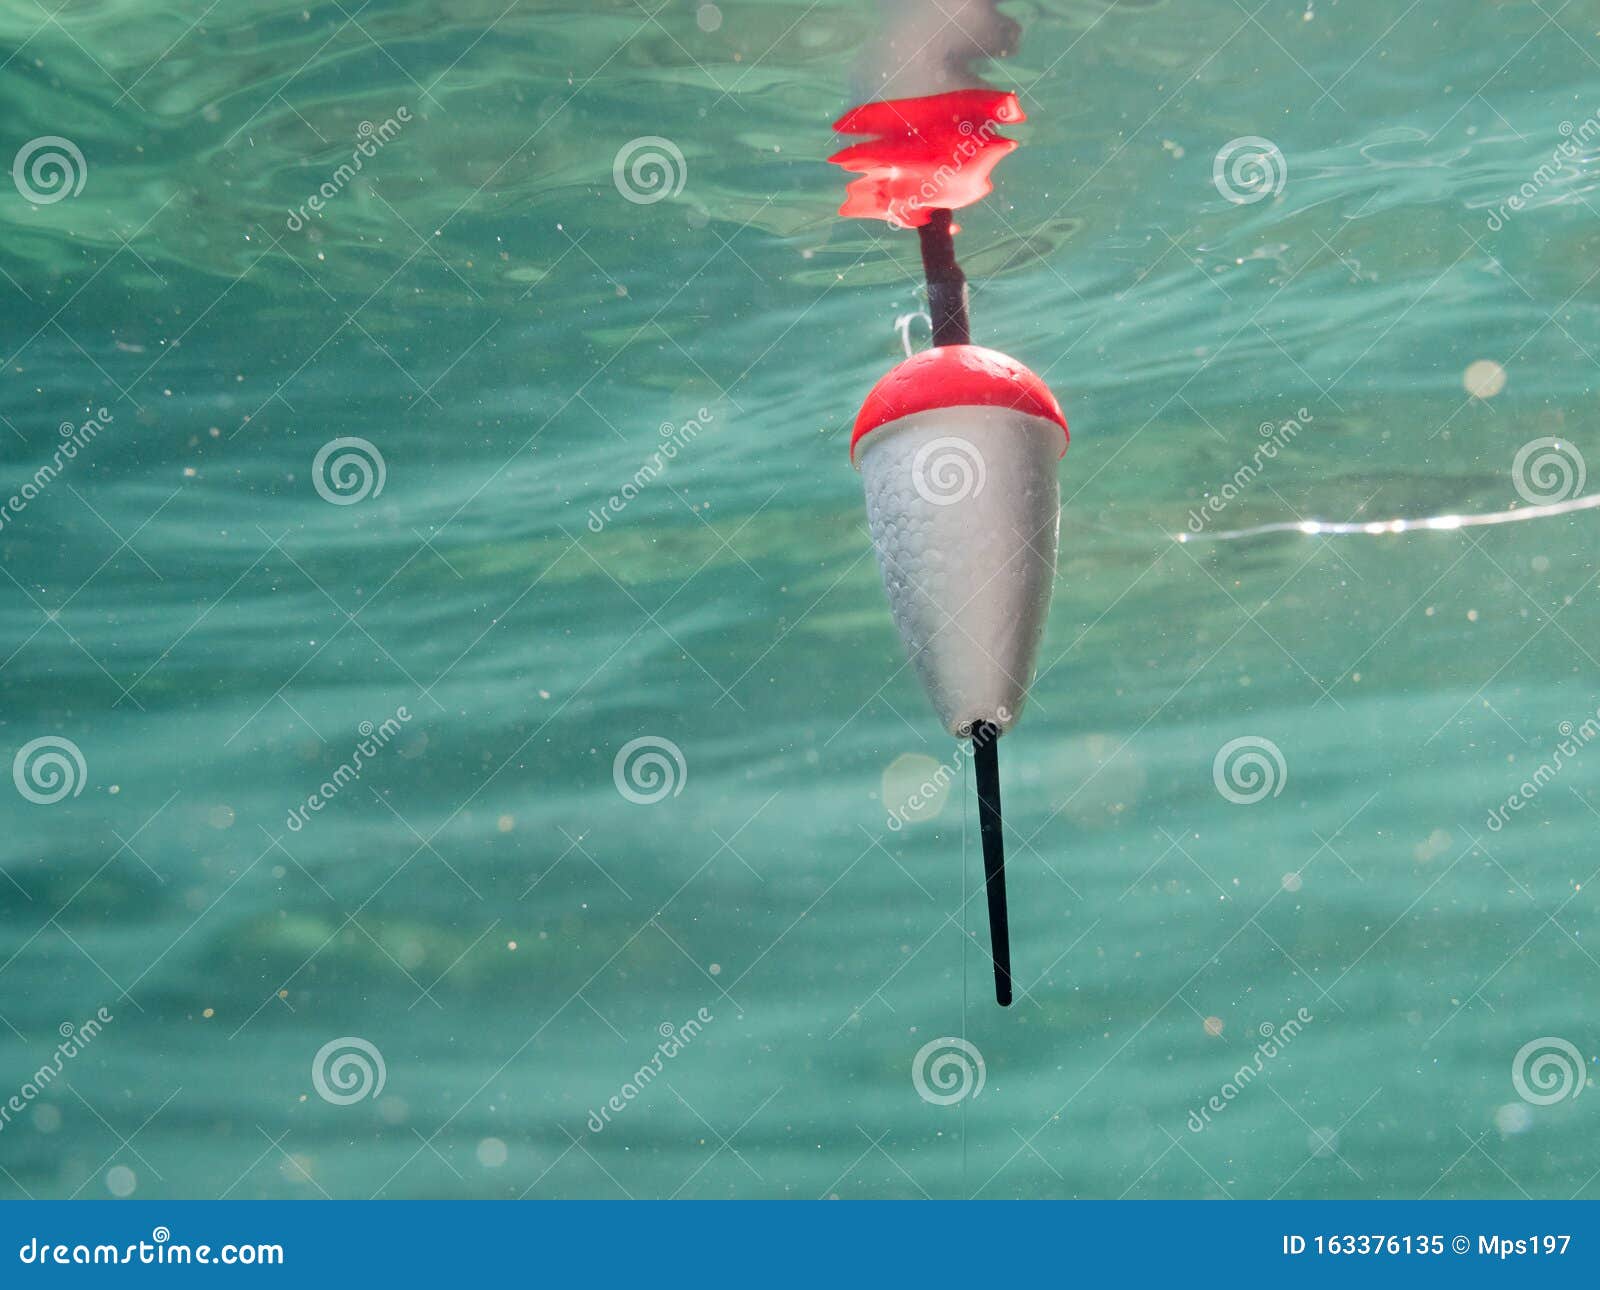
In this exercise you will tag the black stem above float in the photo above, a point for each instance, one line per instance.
(947, 285)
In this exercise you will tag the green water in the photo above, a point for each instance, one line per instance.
(482, 905)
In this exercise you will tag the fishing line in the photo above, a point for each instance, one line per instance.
(902, 324)
(1379, 528)
(964, 808)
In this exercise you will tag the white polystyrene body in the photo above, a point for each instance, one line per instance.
(964, 507)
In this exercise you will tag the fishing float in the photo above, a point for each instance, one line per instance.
(957, 448)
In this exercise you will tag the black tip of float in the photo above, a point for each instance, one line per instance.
(986, 765)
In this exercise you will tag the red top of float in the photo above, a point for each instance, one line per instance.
(933, 152)
(956, 376)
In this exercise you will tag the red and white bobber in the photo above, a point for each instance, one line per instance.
(958, 449)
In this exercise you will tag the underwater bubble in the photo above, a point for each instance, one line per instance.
(1484, 379)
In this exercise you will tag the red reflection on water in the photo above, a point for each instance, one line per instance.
(931, 153)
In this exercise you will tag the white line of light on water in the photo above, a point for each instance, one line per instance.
(1377, 528)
